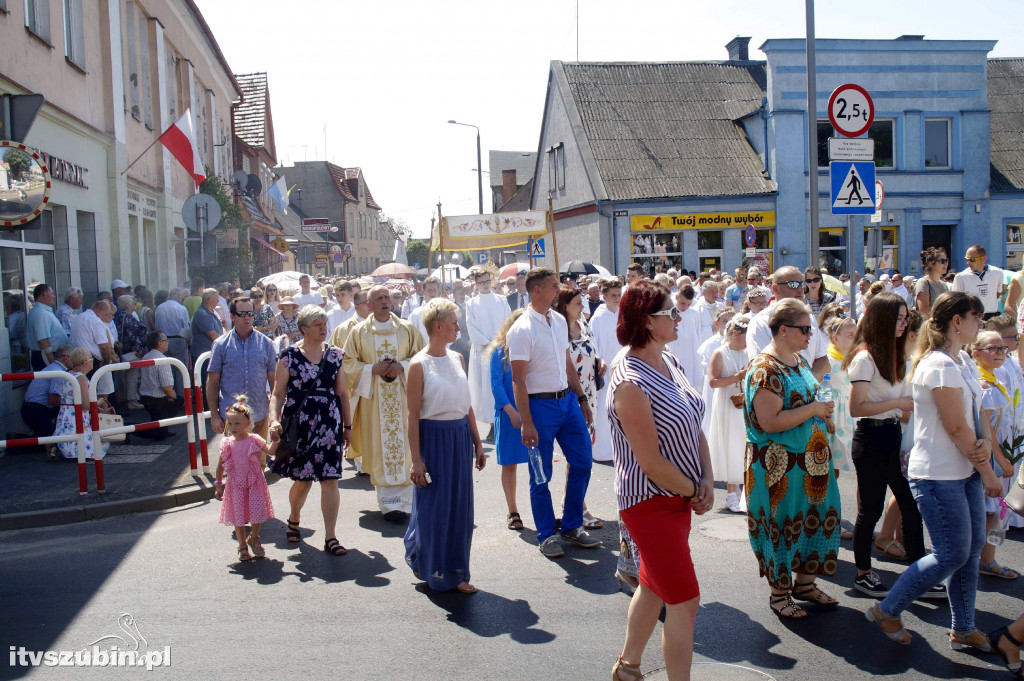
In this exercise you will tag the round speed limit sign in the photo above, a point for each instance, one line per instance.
(851, 110)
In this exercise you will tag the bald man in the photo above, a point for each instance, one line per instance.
(788, 282)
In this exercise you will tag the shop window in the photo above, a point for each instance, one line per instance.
(1015, 246)
(37, 18)
(832, 248)
(14, 305)
(890, 251)
(937, 142)
(657, 251)
(74, 33)
(709, 249)
(764, 254)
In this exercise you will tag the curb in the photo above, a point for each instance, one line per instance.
(78, 514)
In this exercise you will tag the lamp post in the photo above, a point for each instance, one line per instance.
(479, 166)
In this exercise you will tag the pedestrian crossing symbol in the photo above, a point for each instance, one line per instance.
(537, 248)
(853, 187)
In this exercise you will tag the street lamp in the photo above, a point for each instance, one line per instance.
(479, 165)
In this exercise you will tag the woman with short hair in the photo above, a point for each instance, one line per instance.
(793, 506)
(662, 475)
(444, 445)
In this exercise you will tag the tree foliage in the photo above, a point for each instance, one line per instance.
(231, 262)
(19, 162)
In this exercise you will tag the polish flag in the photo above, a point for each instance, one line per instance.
(181, 142)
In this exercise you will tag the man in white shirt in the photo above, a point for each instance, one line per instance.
(552, 405)
(603, 325)
(344, 307)
(431, 289)
(899, 289)
(307, 297)
(90, 331)
(788, 282)
(981, 279)
(634, 273)
(685, 346)
(414, 301)
(485, 314)
(707, 308)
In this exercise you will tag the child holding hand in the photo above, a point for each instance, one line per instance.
(245, 495)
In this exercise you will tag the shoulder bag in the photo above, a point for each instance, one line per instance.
(290, 424)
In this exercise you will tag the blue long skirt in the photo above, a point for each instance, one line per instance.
(440, 532)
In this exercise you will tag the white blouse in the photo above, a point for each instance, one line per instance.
(445, 387)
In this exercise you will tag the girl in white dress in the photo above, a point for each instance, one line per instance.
(727, 435)
(707, 348)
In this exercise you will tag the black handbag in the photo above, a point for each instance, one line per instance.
(290, 424)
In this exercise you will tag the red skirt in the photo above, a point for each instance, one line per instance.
(660, 527)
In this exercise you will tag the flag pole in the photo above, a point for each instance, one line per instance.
(139, 157)
(440, 241)
(554, 241)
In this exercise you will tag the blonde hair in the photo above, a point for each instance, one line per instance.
(833, 325)
(499, 340)
(983, 337)
(933, 332)
(79, 356)
(436, 311)
(241, 406)
(787, 312)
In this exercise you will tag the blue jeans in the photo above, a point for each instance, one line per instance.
(561, 420)
(954, 513)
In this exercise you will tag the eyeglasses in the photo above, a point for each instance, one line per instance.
(246, 313)
(672, 312)
(805, 330)
(998, 349)
(815, 280)
(1014, 337)
(974, 259)
(791, 285)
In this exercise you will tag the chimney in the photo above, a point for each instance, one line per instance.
(738, 49)
(508, 185)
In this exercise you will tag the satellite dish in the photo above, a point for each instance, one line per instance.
(253, 186)
(456, 258)
(240, 179)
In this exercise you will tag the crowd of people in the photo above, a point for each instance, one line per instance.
(682, 380)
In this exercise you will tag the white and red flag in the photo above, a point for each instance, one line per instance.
(181, 142)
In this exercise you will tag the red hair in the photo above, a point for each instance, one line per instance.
(639, 300)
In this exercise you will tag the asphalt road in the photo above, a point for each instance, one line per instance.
(302, 614)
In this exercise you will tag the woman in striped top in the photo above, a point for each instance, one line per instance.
(662, 472)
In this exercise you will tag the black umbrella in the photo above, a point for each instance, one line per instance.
(579, 267)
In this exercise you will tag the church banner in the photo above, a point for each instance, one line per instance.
(496, 230)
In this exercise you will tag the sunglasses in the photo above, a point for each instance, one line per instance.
(942, 261)
(792, 285)
(805, 330)
(815, 280)
(246, 313)
(974, 259)
(256, 297)
(672, 312)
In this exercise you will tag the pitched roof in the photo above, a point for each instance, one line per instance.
(1006, 101)
(523, 162)
(253, 122)
(670, 129)
(346, 181)
(520, 200)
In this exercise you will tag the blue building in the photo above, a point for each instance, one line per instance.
(667, 163)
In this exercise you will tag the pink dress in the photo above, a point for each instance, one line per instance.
(246, 495)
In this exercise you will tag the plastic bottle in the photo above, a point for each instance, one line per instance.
(997, 535)
(823, 394)
(536, 466)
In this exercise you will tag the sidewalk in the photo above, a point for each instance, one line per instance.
(140, 475)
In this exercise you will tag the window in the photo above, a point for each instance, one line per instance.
(658, 251)
(890, 252)
(74, 33)
(882, 131)
(936, 142)
(37, 18)
(556, 167)
(825, 130)
(145, 90)
(131, 55)
(832, 248)
(1014, 246)
(172, 76)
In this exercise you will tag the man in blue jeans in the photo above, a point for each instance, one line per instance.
(553, 407)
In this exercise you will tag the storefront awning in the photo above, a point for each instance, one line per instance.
(256, 238)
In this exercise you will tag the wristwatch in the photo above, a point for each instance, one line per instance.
(581, 398)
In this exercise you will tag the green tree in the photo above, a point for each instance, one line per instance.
(231, 262)
(19, 162)
(416, 251)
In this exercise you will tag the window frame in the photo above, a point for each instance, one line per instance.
(825, 126)
(74, 33)
(949, 142)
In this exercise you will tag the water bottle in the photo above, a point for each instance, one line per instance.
(536, 466)
(997, 535)
(823, 394)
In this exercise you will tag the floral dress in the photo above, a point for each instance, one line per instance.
(584, 357)
(286, 326)
(793, 507)
(66, 423)
(841, 442)
(263, 318)
(317, 454)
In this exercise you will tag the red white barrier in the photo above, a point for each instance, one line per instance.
(201, 414)
(94, 414)
(79, 434)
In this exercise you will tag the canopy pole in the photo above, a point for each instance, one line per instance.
(554, 241)
(529, 248)
(440, 241)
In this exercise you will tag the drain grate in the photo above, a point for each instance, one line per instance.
(156, 450)
(130, 458)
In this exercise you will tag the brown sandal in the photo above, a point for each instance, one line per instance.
(243, 553)
(810, 593)
(624, 671)
(514, 522)
(257, 547)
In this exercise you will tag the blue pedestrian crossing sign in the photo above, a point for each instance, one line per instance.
(853, 185)
(537, 248)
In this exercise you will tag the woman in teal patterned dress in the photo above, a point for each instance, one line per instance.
(792, 497)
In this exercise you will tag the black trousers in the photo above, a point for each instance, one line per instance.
(159, 408)
(876, 456)
(37, 359)
(41, 419)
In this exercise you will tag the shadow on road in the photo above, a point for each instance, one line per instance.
(592, 570)
(489, 615)
(758, 641)
(309, 563)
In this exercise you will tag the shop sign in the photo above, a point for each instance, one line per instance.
(65, 171)
(759, 219)
(227, 238)
(141, 204)
(321, 260)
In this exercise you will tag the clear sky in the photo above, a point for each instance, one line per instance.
(384, 77)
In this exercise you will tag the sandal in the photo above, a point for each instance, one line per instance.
(812, 594)
(243, 553)
(257, 547)
(513, 521)
(993, 640)
(624, 671)
(292, 533)
(884, 549)
(789, 609)
(878, 616)
(466, 588)
(994, 569)
(590, 522)
(334, 547)
(959, 641)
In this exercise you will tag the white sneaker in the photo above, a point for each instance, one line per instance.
(732, 501)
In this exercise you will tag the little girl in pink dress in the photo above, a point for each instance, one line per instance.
(245, 495)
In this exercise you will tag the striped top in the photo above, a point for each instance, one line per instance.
(678, 410)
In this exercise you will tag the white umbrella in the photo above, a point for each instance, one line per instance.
(603, 271)
(286, 279)
(451, 272)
